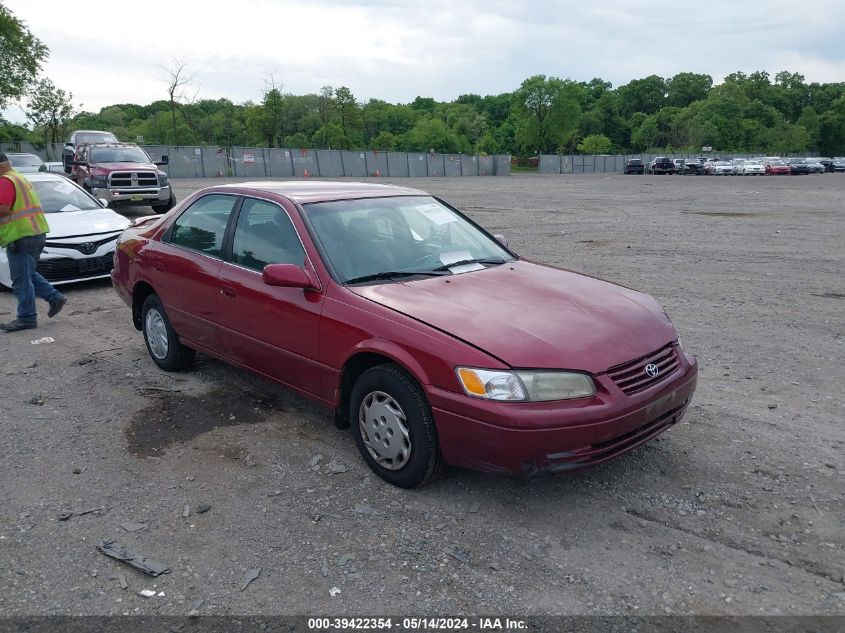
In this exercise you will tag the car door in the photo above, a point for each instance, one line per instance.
(183, 267)
(269, 329)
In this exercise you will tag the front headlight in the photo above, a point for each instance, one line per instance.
(525, 385)
(163, 180)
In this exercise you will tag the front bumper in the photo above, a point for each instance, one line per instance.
(129, 196)
(558, 436)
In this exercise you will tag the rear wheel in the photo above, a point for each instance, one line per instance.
(395, 431)
(161, 340)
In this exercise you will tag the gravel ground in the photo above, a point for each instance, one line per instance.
(737, 510)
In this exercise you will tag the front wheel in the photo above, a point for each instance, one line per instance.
(167, 206)
(161, 340)
(395, 431)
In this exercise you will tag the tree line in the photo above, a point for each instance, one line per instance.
(745, 113)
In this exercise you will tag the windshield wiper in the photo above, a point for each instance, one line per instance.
(464, 262)
(393, 274)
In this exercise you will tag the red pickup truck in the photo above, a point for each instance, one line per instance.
(123, 175)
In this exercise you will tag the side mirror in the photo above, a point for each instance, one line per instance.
(43, 167)
(288, 276)
(501, 239)
(103, 202)
(165, 159)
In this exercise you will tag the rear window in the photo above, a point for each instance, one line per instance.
(635, 161)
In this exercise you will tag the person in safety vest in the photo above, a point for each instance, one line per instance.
(23, 231)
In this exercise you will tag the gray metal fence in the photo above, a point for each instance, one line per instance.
(262, 162)
(585, 164)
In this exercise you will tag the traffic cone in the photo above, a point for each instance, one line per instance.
(378, 173)
(305, 174)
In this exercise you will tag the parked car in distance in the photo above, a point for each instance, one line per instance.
(777, 168)
(719, 168)
(678, 165)
(634, 166)
(661, 165)
(736, 163)
(436, 342)
(827, 162)
(798, 166)
(751, 167)
(815, 166)
(25, 163)
(694, 167)
(54, 167)
(81, 137)
(838, 164)
(123, 174)
(82, 237)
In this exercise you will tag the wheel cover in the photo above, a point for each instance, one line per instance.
(384, 429)
(156, 332)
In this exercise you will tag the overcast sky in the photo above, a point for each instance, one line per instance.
(111, 52)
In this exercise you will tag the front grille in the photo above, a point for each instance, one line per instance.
(85, 248)
(631, 377)
(65, 268)
(133, 179)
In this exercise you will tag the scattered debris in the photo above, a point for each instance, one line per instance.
(41, 341)
(249, 461)
(147, 593)
(344, 559)
(457, 553)
(324, 569)
(334, 591)
(121, 578)
(64, 516)
(473, 508)
(773, 406)
(131, 526)
(186, 512)
(335, 468)
(77, 471)
(249, 576)
(316, 459)
(37, 400)
(363, 509)
(142, 563)
(202, 509)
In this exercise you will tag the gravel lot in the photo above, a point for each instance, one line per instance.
(738, 510)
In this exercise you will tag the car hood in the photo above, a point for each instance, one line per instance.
(535, 316)
(90, 222)
(110, 167)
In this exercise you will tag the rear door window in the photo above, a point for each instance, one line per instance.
(202, 226)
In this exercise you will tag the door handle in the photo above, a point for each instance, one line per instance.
(228, 291)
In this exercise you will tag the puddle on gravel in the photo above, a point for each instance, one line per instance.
(722, 214)
(173, 417)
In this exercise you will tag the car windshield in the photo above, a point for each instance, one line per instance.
(118, 155)
(25, 163)
(753, 163)
(776, 162)
(95, 137)
(797, 161)
(635, 161)
(398, 236)
(57, 196)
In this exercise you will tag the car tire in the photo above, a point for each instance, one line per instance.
(400, 445)
(167, 206)
(161, 339)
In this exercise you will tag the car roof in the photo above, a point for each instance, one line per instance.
(93, 132)
(22, 154)
(324, 190)
(89, 145)
(46, 175)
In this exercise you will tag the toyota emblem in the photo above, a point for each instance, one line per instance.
(88, 247)
(652, 370)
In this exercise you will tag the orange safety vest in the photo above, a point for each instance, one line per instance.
(27, 217)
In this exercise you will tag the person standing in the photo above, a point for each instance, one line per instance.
(23, 232)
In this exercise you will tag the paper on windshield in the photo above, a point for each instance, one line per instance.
(437, 214)
(70, 207)
(64, 187)
(453, 257)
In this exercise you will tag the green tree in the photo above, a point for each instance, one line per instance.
(349, 113)
(684, 88)
(646, 95)
(595, 144)
(549, 111)
(21, 57)
(49, 109)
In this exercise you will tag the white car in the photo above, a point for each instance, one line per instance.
(751, 168)
(721, 168)
(80, 244)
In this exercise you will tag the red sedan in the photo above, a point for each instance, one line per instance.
(427, 335)
(777, 168)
